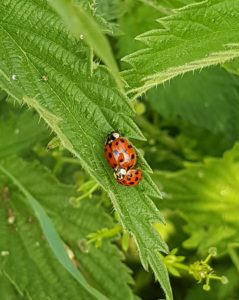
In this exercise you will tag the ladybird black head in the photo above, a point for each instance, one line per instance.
(111, 137)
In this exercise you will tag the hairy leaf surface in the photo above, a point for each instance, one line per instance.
(84, 27)
(54, 77)
(78, 223)
(196, 36)
(50, 234)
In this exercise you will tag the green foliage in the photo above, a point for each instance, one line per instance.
(79, 115)
(176, 48)
(16, 126)
(8, 290)
(3, 95)
(232, 66)
(110, 10)
(166, 7)
(64, 240)
(219, 291)
(55, 198)
(200, 270)
(84, 27)
(29, 254)
(194, 96)
(144, 19)
(11, 169)
(206, 196)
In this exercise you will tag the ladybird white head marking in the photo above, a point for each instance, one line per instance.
(119, 173)
(116, 135)
(111, 137)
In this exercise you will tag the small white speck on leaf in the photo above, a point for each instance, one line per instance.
(224, 192)
(16, 131)
(5, 253)
(11, 219)
(44, 78)
(200, 174)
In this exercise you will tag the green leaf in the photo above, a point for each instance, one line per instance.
(232, 66)
(20, 129)
(27, 262)
(196, 36)
(110, 9)
(81, 108)
(3, 95)
(7, 290)
(100, 266)
(83, 26)
(144, 19)
(209, 100)
(166, 6)
(205, 194)
(105, 13)
(48, 229)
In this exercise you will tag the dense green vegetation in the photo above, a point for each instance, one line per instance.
(164, 74)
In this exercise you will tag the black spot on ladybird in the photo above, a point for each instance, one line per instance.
(114, 165)
(136, 178)
(131, 183)
(110, 155)
(121, 160)
(130, 146)
(117, 143)
(122, 140)
(132, 156)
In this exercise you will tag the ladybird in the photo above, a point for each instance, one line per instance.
(131, 177)
(119, 152)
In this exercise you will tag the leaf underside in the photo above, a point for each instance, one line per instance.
(53, 76)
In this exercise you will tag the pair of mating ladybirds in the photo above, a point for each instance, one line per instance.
(121, 156)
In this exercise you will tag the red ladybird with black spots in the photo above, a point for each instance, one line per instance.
(119, 152)
(131, 177)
